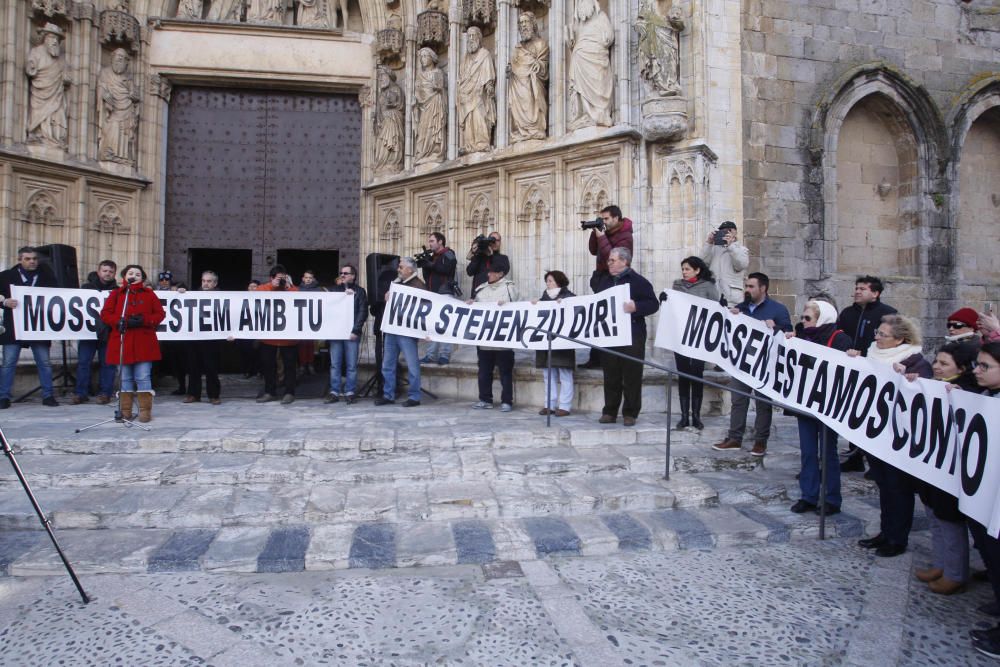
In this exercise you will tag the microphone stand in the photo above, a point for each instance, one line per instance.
(119, 417)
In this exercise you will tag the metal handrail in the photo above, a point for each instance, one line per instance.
(550, 336)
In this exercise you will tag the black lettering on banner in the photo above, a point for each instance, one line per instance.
(441, 326)
(779, 368)
(882, 409)
(503, 325)
(34, 309)
(56, 313)
(94, 313)
(191, 305)
(737, 339)
(727, 331)
(791, 360)
(600, 316)
(940, 433)
(420, 317)
(246, 319)
(817, 396)
(397, 307)
(863, 400)
(472, 327)
(262, 315)
(959, 428)
(280, 319)
(175, 315)
(74, 319)
(694, 327)
(898, 439)
(842, 392)
(518, 325)
(579, 321)
(461, 313)
(543, 319)
(204, 314)
(918, 426)
(971, 480)
(221, 319)
(806, 363)
(614, 317)
(714, 332)
(315, 308)
(299, 305)
(750, 350)
(761, 365)
(490, 318)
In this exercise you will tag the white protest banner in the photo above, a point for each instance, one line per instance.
(49, 313)
(599, 319)
(920, 427)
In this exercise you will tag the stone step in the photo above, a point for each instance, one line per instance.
(362, 544)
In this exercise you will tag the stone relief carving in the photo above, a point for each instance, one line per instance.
(480, 13)
(51, 8)
(119, 6)
(433, 218)
(595, 196)
(432, 26)
(110, 218)
(534, 206)
(480, 214)
(118, 111)
(120, 27)
(390, 226)
(389, 40)
(271, 12)
(47, 81)
(430, 109)
(591, 83)
(160, 87)
(664, 110)
(527, 78)
(225, 10)
(190, 9)
(477, 106)
(388, 123)
(322, 13)
(42, 208)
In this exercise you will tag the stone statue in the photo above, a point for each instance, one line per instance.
(118, 111)
(388, 123)
(477, 106)
(591, 83)
(659, 48)
(430, 109)
(47, 80)
(266, 11)
(225, 10)
(527, 74)
(190, 9)
(321, 13)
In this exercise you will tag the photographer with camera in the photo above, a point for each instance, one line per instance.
(484, 253)
(728, 259)
(438, 263)
(269, 349)
(609, 230)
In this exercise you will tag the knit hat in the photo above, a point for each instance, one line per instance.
(165, 275)
(966, 316)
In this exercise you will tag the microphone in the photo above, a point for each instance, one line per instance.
(130, 279)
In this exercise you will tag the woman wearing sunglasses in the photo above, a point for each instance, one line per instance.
(962, 326)
(818, 324)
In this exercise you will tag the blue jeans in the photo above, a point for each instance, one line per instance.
(11, 353)
(341, 351)
(137, 376)
(394, 344)
(437, 351)
(85, 351)
(809, 476)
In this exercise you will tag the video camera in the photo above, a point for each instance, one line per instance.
(424, 257)
(482, 243)
(597, 223)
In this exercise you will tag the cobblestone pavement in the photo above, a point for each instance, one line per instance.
(805, 603)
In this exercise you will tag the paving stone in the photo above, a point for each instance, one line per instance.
(182, 551)
(473, 542)
(366, 471)
(203, 439)
(92, 552)
(277, 470)
(289, 441)
(552, 535)
(621, 493)
(514, 438)
(411, 502)
(267, 506)
(425, 544)
(371, 502)
(747, 487)
(208, 468)
(330, 547)
(631, 534)
(373, 546)
(512, 541)
(423, 439)
(730, 527)
(446, 465)
(546, 461)
(595, 537)
(477, 465)
(17, 513)
(462, 500)
(120, 507)
(691, 491)
(197, 633)
(15, 543)
(531, 497)
(326, 503)
(204, 507)
(55, 470)
(285, 550)
(377, 440)
(235, 549)
(691, 532)
(248, 440)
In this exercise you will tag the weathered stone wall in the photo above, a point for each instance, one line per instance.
(928, 69)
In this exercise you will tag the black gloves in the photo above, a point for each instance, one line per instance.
(134, 321)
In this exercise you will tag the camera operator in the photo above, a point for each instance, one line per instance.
(484, 253)
(728, 259)
(270, 349)
(613, 232)
(439, 277)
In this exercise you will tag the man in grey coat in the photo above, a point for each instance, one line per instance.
(728, 259)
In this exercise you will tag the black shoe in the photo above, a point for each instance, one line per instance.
(990, 609)
(179, 392)
(349, 399)
(410, 403)
(683, 423)
(830, 510)
(696, 422)
(869, 475)
(4, 403)
(993, 634)
(802, 506)
(50, 401)
(852, 464)
(890, 550)
(872, 542)
(987, 647)
(331, 398)
(591, 364)
(382, 400)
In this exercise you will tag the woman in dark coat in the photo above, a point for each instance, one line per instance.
(558, 388)
(819, 325)
(137, 325)
(697, 280)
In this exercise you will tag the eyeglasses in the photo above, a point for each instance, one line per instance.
(957, 325)
(806, 318)
(346, 273)
(879, 334)
(976, 365)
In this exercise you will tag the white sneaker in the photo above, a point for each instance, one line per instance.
(505, 407)
(482, 405)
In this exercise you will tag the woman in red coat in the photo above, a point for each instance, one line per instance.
(138, 327)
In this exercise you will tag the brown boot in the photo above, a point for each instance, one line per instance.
(929, 574)
(145, 406)
(945, 586)
(127, 398)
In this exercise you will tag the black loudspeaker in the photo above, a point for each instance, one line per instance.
(62, 260)
(380, 270)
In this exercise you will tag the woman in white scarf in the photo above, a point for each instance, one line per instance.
(897, 342)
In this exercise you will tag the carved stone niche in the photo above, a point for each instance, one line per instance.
(480, 13)
(119, 28)
(664, 118)
(432, 27)
(53, 9)
(389, 41)
(532, 5)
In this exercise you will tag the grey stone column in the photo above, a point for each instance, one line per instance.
(8, 94)
(410, 54)
(84, 65)
(506, 17)
(455, 49)
(559, 13)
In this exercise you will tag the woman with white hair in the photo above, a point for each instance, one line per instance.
(818, 324)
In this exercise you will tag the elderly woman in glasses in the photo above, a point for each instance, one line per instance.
(897, 343)
(818, 324)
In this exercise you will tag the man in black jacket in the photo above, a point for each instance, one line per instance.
(623, 377)
(101, 280)
(439, 277)
(480, 261)
(26, 273)
(344, 353)
(204, 357)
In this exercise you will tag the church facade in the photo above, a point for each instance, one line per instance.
(842, 136)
